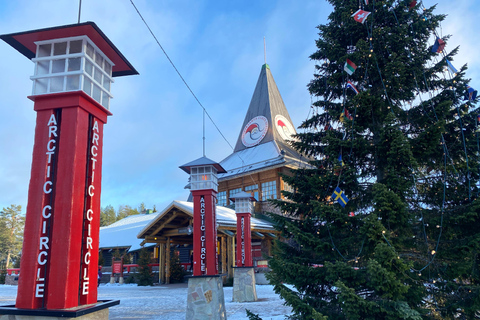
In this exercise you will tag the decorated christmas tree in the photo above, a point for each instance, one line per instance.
(384, 222)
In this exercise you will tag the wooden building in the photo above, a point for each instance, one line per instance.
(261, 155)
(262, 151)
(173, 227)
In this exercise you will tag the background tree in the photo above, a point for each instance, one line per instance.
(11, 233)
(404, 151)
(107, 216)
(125, 211)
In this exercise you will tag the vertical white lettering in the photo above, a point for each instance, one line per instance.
(43, 243)
(39, 290)
(89, 243)
(43, 211)
(49, 183)
(52, 120)
(84, 288)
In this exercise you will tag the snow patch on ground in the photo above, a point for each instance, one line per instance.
(170, 302)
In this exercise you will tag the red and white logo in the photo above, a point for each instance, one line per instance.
(284, 127)
(254, 131)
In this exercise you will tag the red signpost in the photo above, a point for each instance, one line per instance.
(203, 184)
(74, 66)
(243, 209)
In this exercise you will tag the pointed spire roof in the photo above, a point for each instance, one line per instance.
(267, 127)
(267, 118)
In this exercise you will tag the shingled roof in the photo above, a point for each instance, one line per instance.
(264, 136)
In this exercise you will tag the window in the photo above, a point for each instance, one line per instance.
(269, 190)
(222, 198)
(234, 191)
(253, 189)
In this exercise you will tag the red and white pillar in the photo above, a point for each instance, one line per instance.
(204, 186)
(74, 66)
(243, 209)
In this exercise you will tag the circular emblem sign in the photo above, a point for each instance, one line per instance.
(254, 131)
(284, 127)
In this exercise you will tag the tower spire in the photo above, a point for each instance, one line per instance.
(264, 50)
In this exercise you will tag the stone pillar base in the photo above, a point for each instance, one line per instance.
(205, 298)
(97, 311)
(244, 285)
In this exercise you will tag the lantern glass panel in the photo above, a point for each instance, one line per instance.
(41, 86)
(44, 50)
(43, 67)
(58, 66)
(59, 48)
(76, 46)
(74, 64)
(73, 82)
(56, 84)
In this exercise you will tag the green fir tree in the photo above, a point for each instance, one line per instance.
(404, 151)
(144, 275)
(177, 272)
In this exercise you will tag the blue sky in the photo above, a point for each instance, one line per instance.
(157, 124)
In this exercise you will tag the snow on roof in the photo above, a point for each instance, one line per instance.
(123, 233)
(226, 217)
(251, 159)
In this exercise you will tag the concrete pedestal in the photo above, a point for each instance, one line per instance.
(244, 285)
(97, 311)
(205, 298)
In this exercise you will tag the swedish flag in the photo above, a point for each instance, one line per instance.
(339, 196)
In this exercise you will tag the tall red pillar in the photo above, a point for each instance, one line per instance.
(74, 66)
(243, 209)
(204, 186)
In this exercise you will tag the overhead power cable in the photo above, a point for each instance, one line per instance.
(179, 74)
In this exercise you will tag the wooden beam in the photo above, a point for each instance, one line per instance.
(164, 223)
(167, 256)
(223, 248)
(161, 263)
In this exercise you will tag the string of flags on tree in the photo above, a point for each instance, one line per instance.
(349, 67)
(360, 15)
(438, 46)
(451, 68)
(471, 94)
(340, 197)
(351, 86)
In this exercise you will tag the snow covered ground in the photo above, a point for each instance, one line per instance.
(169, 302)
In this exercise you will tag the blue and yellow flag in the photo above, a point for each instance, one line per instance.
(340, 197)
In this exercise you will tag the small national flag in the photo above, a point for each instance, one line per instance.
(351, 86)
(351, 214)
(366, 2)
(350, 67)
(438, 45)
(340, 160)
(342, 116)
(347, 114)
(411, 4)
(340, 197)
(328, 127)
(471, 94)
(451, 67)
(478, 119)
(360, 15)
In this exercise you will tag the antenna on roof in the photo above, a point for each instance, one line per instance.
(264, 50)
(79, 10)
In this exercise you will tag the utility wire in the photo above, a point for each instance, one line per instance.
(179, 74)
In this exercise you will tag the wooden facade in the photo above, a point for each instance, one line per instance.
(171, 228)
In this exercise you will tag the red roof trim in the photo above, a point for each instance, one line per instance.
(24, 42)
